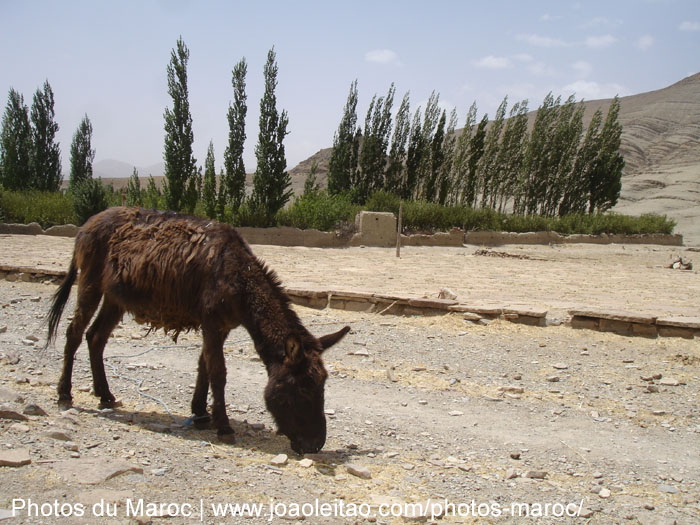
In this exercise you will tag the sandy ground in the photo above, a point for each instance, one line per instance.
(621, 277)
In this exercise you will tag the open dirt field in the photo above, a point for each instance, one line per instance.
(498, 420)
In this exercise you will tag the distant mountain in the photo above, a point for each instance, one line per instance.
(661, 146)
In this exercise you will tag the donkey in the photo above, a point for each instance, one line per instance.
(178, 272)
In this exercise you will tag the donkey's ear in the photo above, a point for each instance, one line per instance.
(329, 340)
(292, 350)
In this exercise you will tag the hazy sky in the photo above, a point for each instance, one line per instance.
(108, 59)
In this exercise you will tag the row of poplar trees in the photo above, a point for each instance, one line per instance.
(185, 184)
(30, 157)
(554, 167)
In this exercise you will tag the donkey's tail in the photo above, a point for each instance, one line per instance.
(60, 298)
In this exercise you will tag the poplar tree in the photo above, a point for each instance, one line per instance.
(373, 156)
(460, 167)
(15, 144)
(489, 170)
(445, 183)
(395, 173)
(180, 185)
(133, 190)
(271, 183)
(436, 160)
(81, 155)
(232, 186)
(605, 175)
(46, 154)
(209, 184)
(476, 150)
(414, 155)
(344, 156)
(576, 195)
(511, 154)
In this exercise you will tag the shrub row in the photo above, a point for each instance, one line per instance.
(326, 212)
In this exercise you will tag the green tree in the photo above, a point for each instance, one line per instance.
(511, 154)
(134, 195)
(445, 183)
(81, 157)
(271, 182)
(576, 195)
(344, 156)
(89, 198)
(152, 195)
(375, 142)
(431, 118)
(46, 154)
(414, 158)
(209, 184)
(15, 144)
(489, 169)
(395, 172)
(436, 160)
(476, 150)
(232, 187)
(605, 175)
(180, 185)
(460, 166)
(311, 185)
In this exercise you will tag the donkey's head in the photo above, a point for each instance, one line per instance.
(294, 391)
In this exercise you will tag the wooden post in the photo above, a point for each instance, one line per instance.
(398, 232)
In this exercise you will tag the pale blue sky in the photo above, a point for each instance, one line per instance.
(108, 59)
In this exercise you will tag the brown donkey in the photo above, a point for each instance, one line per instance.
(179, 273)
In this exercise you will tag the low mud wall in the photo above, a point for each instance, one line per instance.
(286, 236)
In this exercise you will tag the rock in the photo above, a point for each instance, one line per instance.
(515, 455)
(6, 413)
(511, 473)
(306, 463)
(32, 338)
(456, 413)
(329, 412)
(159, 471)
(359, 471)
(71, 445)
(536, 474)
(422, 402)
(446, 293)
(649, 506)
(34, 410)
(19, 427)
(59, 435)
(652, 389)
(15, 457)
(10, 396)
(560, 366)
(92, 471)
(390, 375)
(511, 389)
(553, 379)
(669, 381)
(279, 460)
(362, 353)
(604, 493)
(668, 489)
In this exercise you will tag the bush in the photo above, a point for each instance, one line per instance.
(319, 210)
(46, 208)
(89, 197)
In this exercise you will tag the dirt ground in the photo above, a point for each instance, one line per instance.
(557, 278)
(486, 423)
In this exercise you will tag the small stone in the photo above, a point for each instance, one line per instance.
(362, 353)
(58, 435)
(597, 475)
(511, 474)
(649, 506)
(19, 427)
(668, 489)
(515, 455)
(6, 413)
(408, 466)
(517, 377)
(604, 493)
(553, 379)
(16, 457)
(536, 474)
(3, 329)
(511, 389)
(359, 471)
(159, 471)
(34, 410)
(560, 366)
(306, 463)
(329, 412)
(659, 412)
(652, 389)
(422, 402)
(585, 513)
(71, 445)
(391, 376)
(279, 460)
(32, 338)
(669, 381)
(456, 413)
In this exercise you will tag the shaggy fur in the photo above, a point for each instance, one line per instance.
(177, 273)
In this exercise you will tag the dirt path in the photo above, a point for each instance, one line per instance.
(428, 408)
(558, 278)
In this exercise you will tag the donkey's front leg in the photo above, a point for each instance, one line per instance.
(213, 352)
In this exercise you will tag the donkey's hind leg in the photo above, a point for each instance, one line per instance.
(87, 302)
(213, 352)
(97, 336)
(201, 417)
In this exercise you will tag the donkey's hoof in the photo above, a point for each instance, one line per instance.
(226, 435)
(65, 403)
(110, 403)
